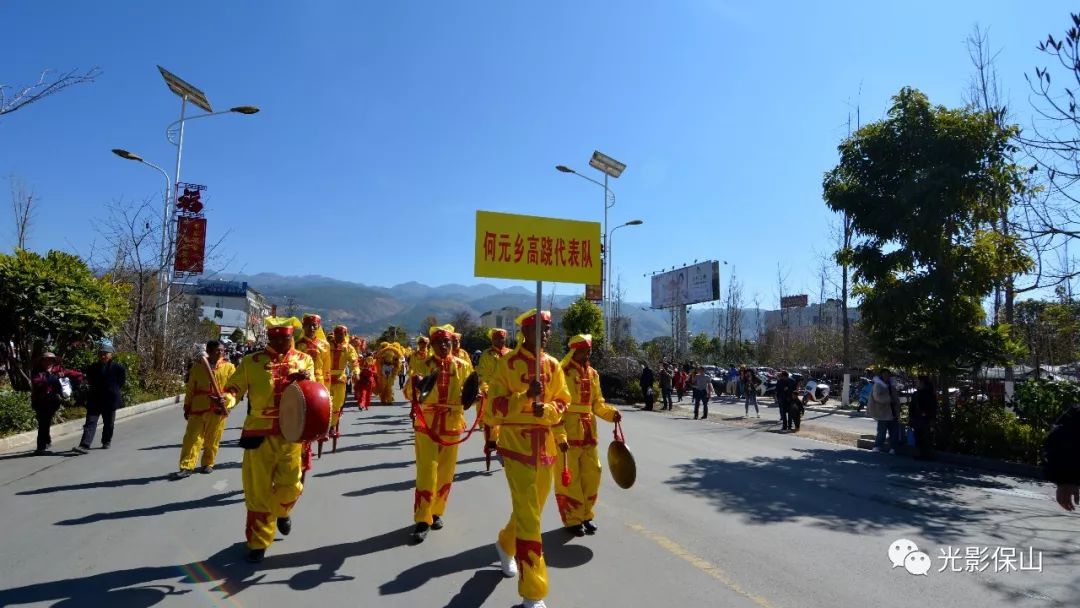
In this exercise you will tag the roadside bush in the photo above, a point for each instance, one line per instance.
(16, 416)
(1040, 403)
(991, 431)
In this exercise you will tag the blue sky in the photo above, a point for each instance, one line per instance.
(385, 125)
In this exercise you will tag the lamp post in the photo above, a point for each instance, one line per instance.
(610, 248)
(163, 301)
(610, 168)
(187, 92)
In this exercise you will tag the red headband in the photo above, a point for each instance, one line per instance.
(440, 334)
(316, 319)
(280, 331)
(530, 321)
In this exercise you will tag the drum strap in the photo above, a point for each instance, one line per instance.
(418, 417)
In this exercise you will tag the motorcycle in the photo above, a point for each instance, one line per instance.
(815, 390)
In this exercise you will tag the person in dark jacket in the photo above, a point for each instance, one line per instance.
(1061, 458)
(666, 381)
(105, 379)
(46, 393)
(647, 379)
(922, 412)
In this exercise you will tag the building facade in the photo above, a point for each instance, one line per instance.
(232, 305)
(829, 314)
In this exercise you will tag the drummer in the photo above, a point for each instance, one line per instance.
(313, 342)
(530, 414)
(204, 410)
(440, 423)
(576, 501)
(271, 468)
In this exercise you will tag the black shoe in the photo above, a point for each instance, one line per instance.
(80, 449)
(590, 528)
(105, 446)
(256, 555)
(695, 417)
(40, 452)
(284, 525)
(436, 522)
(419, 533)
(577, 530)
(182, 474)
(208, 469)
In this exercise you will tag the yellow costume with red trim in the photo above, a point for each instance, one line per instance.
(272, 469)
(204, 423)
(317, 347)
(527, 445)
(485, 371)
(443, 417)
(388, 365)
(342, 357)
(577, 500)
(364, 381)
(461, 353)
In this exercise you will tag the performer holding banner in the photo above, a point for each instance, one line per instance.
(272, 464)
(576, 500)
(204, 410)
(529, 412)
(439, 421)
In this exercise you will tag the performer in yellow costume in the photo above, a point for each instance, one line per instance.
(388, 364)
(313, 342)
(439, 421)
(204, 410)
(272, 466)
(419, 356)
(485, 369)
(342, 357)
(460, 353)
(529, 412)
(576, 500)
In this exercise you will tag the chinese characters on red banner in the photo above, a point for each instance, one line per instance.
(190, 244)
(537, 250)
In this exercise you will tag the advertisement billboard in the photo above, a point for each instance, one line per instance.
(686, 286)
(799, 301)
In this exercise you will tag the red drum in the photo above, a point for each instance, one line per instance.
(305, 411)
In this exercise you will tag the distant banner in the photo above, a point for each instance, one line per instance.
(799, 301)
(594, 293)
(686, 286)
(190, 244)
(510, 246)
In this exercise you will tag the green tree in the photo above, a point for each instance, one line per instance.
(393, 334)
(1048, 330)
(701, 349)
(237, 336)
(583, 317)
(53, 302)
(921, 188)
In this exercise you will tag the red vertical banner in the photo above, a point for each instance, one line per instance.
(190, 244)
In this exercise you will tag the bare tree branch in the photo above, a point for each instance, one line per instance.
(14, 98)
(22, 206)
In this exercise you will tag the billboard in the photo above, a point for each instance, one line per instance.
(799, 301)
(512, 246)
(686, 286)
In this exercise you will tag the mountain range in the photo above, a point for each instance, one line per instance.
(369, 310)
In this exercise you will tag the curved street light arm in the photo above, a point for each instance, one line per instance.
(171, 129)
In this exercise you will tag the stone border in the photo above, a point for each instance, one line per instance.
(73, 427)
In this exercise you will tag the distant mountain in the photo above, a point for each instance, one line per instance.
(370, 309)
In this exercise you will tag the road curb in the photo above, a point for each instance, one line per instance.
(73, 427)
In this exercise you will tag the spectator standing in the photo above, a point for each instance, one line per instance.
(702, 390)
(647, 379)
(733, 382)
(1061, 458)
(882, 407)
(750, 385)
(680, 380)
(923, 411)
(46, 392)
(785, 396)
(666, 381)
(106, 379)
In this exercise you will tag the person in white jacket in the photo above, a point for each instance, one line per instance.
(884, 407)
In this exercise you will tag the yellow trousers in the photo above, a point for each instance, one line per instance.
(203, 433)
(576, 501)
(529, 488)
(271, 474)
(337, 402)
(435, 466)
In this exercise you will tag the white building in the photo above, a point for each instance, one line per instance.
(232, 305)
(829, 314)
(502, 318)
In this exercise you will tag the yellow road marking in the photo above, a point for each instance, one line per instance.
(700, 563)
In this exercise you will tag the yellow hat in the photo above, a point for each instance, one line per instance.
(495, 330)
(581, 341)
(438, 332)
(528, 318)
(282, 326)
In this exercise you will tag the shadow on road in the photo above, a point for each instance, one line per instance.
(382, 466)
(376, 446)
(216, 500)
(31, 454)
(380, 432)
(557, 553)
(232, 443)
(401, 486)
(116, 483)
(843, 490)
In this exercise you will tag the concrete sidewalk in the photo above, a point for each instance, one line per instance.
(74, 427)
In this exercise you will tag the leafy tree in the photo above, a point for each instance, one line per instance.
(393, 334)
(583, 317)
(921, 187)
(701, 349)
(1048, 330)
(237, 336)
(52, 302)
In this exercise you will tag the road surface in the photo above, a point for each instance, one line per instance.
(721, 515)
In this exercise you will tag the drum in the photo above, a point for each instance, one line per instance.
(305, 411)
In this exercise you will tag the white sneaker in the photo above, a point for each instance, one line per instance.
(876, 449)
(509, 567)
(532, 603)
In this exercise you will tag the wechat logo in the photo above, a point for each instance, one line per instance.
(905, 554)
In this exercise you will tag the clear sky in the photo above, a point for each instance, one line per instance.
(385, 125)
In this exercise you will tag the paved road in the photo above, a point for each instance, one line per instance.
(729, 407)
(721, 515)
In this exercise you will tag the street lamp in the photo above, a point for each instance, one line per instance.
(611, 248)
(163, 305)
(610, 168)
(188, 92)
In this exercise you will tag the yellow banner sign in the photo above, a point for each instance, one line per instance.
(510, 246)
